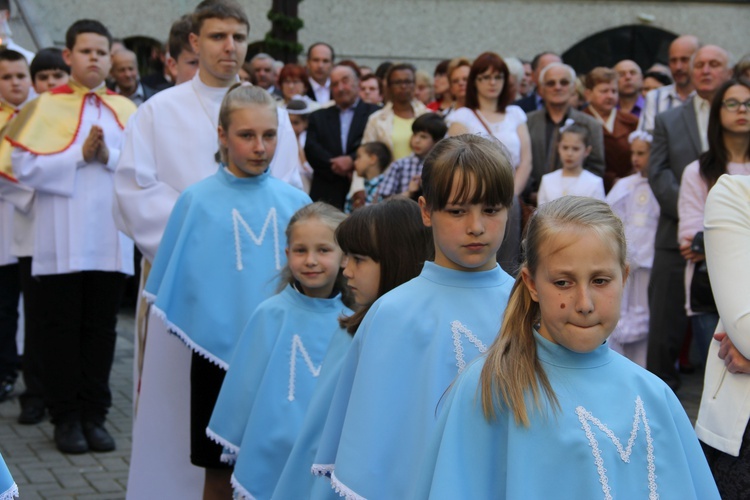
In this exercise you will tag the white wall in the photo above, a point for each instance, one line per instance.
(425, 31)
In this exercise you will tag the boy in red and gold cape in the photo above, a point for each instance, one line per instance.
(66, 146)
(15, 83)
(14, 91)
(48, 70)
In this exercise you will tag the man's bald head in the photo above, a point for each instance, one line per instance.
(711, 67)
(681, 50)
(125, 70)
(630, 78)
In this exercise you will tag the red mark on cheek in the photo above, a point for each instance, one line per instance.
(562, 306)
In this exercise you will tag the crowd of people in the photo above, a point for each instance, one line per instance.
(403, 283)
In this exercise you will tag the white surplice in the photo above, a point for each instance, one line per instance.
(73, 231)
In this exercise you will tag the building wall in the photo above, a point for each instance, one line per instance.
(425, 31)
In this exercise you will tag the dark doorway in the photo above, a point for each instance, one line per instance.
(150, 53)
(643, 44)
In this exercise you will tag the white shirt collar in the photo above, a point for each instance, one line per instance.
(316, 86)
(609, 123)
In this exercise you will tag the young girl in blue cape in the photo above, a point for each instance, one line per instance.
(552, 411)
(8, 487)
(278, 359)
(386, 245)
(416, 338)
(220, 257)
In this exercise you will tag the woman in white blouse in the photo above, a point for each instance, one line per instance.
(724, 413)
(488, 112)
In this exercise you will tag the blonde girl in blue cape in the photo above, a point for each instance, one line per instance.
(552, 411)
(277, 362)
(386, 245)
(220, 256)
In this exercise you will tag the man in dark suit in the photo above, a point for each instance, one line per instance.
(533, 101)
(127, 81)
(333, 136)
(556, 84)
(320, 57)
(679, 139)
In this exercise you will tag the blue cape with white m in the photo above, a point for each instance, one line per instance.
(410, 346)
(297, 479)
(620, 432)
(220, 256)
(8, 487)
(270, 382)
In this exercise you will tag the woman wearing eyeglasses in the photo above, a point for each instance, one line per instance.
(728, 153)
(293, 82)
(724, 413)
(488, 112)
(392, 124)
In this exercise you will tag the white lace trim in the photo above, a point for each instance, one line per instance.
(239, 491)
(192, 345)
(229, 455)
(10, 493)
(343, 490)
(150, 297)
(258, 240)
(322, 469)
(228, 458)
(584, 416)
(457, 328)
(298, 345)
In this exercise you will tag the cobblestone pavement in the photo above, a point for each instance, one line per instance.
(43, 473)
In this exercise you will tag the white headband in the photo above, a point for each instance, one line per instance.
(640, 135)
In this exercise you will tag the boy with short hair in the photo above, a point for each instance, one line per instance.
(49, 70)
(14, 91)
(15, 83)
(182, 61)
(371, 160)
(67, 143)
(162, 157)
(403, 177)
(17, 232)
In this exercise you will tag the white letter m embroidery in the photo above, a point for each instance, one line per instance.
(258, 240)
(458, 329)
(297, 345)
(640, 416)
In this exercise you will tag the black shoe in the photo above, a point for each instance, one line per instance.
(6, 387)
(97, 437)
(31, 413)
(69, 437)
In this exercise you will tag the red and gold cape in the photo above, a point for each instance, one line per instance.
(49, 124)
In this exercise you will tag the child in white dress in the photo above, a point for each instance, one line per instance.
(633, 201)
(571, 179)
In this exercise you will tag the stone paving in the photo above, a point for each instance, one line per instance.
(43, 473)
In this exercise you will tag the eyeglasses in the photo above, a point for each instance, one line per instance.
(487, 78)
(402, 83)
(553, 83)
(734, 104)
